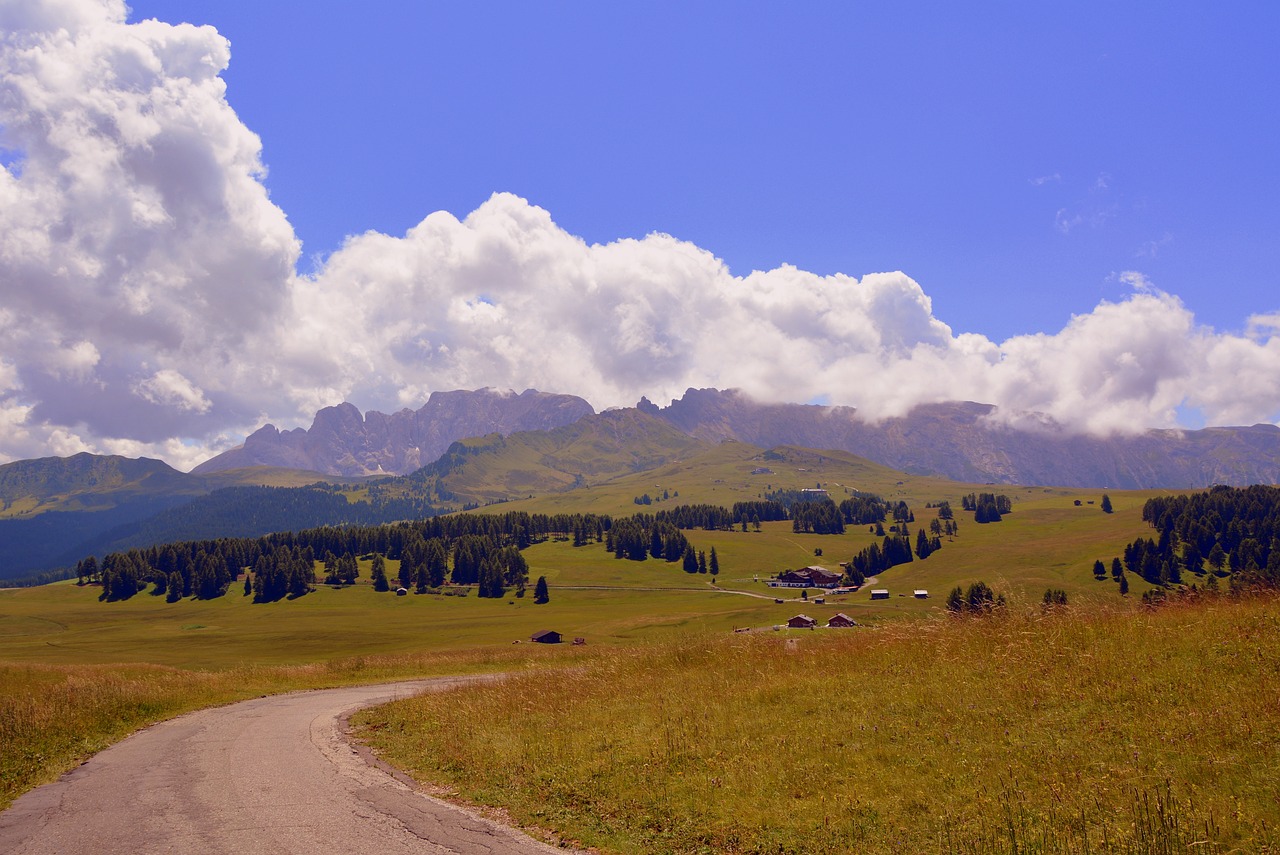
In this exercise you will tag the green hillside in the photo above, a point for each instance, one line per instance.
(592, 451)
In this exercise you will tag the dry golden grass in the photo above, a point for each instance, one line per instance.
(1125, 730)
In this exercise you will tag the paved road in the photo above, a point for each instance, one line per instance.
(272, 775)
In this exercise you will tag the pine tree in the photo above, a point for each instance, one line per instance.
(714, 563)
(1106, 503)
(540, 593)
(378, 573)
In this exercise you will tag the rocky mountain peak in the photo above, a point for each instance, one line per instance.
(342, 441)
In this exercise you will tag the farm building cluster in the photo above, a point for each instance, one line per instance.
(807, 577)
(821, 577)
(837, 621)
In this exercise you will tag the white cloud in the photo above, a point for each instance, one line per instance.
(134, 227)
(168, 388)
(151, 304)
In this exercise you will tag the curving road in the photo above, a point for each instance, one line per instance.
(271, 775)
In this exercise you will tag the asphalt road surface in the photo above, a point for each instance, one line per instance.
(271, 775)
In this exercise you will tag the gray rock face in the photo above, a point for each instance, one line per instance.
(341, 441)
(961, 441)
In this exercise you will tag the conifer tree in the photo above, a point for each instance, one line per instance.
(540, 593)
(378, 573)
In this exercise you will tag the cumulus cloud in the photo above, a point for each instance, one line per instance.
(151, 303)
(137, 241)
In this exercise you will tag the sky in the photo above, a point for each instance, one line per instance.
(216, 215)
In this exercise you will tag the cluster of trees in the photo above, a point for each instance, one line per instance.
(987, 507)
(820, 517)
(284, 572)
(788, 498)
(810, 513)
(484, 548)
(757, 512)
(201, 569)
(699, 563)
(894, 549)
(978, 599)
(643, 536)
(1225, 531)
(864, 509)
(1054, 598)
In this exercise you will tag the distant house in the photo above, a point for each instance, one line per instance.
(802, 622)
(841, 621)
(546, 636)
(807, 577)
(879, 593)
(400, 592)
(921, 594)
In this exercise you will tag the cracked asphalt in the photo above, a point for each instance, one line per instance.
(270, 775)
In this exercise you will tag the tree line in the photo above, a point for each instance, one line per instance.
(1231, 532)
(467, 549)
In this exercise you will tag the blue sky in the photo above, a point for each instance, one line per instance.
(1012, 157)
(215, 215)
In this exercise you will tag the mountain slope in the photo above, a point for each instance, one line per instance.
(84, 482)
(593, 450)
(963, 442)
(55, 510)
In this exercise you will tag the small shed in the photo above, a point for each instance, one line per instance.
(879, 593)
(546, 636)
(921, 594)
(841, 620)
(802, 622)
(400, 592)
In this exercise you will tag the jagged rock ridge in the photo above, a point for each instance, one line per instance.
(341, 441)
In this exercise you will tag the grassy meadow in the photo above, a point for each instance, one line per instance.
(781, 712)
(1098, 730)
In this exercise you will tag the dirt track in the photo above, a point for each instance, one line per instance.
(271, 775)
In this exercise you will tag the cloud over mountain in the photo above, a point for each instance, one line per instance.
(149, 301)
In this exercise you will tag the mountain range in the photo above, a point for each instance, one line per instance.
(963, 441)
(466, 448)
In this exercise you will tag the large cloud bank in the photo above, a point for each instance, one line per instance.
(149, 302)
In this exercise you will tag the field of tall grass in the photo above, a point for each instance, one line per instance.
(1098, 730)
